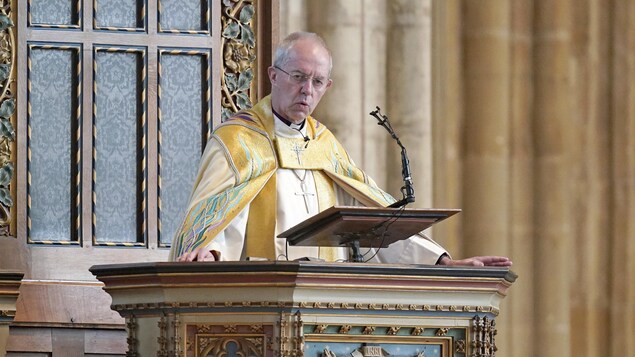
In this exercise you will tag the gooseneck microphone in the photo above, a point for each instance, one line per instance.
(407, 190)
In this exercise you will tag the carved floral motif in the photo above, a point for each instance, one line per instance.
(7, 110)
(238, 43)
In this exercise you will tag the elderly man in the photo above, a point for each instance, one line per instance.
(271, 167)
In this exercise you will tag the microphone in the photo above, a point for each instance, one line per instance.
(407, 190)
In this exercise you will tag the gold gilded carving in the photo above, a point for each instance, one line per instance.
(385, 307)
(7, 117)
(442, 331)
(320, 328)
(223, 346)
(459, 346)
(162, 339)
(452, 308)
(417, 331)
(412, 307)
(345, 305)
(221, 339)
(368, 330)
(238, 43)
(304, 304)
(330, 305)
(131, 327)
(344, 329)
(298, 338)
(393, 330)
(399, 307)
(483, 332)
(372, 307)
(176, 340)
(317, 305)
(439, 307)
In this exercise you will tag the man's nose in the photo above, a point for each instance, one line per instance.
(307, 87)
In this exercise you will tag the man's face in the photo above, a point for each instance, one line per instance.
(299, 83)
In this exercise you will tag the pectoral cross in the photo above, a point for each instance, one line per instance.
(304, 191)
(297, 149)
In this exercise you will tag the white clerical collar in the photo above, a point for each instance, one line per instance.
(288, 129)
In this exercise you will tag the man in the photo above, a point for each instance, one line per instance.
(269, 168)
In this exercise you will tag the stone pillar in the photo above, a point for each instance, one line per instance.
(486, 33)
(486, 132)
(552, 129)
(622, 262)
(339, 23)
(519, 309)
(374, 63)
(409, 101)
(590, 125)
(293, 17)
(447, 119)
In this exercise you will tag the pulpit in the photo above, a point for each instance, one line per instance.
(306, 308)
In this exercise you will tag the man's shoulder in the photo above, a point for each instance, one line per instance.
(241, 123)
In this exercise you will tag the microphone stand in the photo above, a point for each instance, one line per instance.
(407, 190)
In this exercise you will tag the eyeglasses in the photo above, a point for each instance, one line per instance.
(301, 78)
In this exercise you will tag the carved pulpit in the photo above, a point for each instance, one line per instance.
(308, 309)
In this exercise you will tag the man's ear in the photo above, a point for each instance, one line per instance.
(272, 74)
(329, 83)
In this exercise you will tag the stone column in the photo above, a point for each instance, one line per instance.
(293, 17)
(373, 90)
(590, 125)
(552, 126)
(486, 133)
(519, 308)
(622, 262)
(339, 23)
(447, 119)
(409, 99)
(486, 40)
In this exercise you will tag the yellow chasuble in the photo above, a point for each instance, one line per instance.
(254, 154)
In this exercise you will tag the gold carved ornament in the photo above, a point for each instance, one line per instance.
(238, 43)
(7, 110)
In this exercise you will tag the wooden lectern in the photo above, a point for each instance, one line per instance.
(368, 227)
(273, 309)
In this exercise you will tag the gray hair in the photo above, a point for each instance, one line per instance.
(284, 48)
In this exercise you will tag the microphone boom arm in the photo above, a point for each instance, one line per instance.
(407, 190)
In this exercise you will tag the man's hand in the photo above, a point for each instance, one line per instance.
(489, 260)
(199, 255)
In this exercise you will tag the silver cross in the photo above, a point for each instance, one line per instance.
(305, 195)
(298, 150)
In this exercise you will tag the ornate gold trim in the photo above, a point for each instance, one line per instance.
(483, 331)
(304, 305)
(238, 46)
(7, 116)
(131, 327)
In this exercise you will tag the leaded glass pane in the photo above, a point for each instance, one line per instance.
(119, 13)
(52, 144)
(118, 135)
(184, 108)
(54, 12)
(184, 15)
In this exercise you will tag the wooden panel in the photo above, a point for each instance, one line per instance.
(67, 342)
(32, 341)
(29, 340)
(69, 303)
(108, 342)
